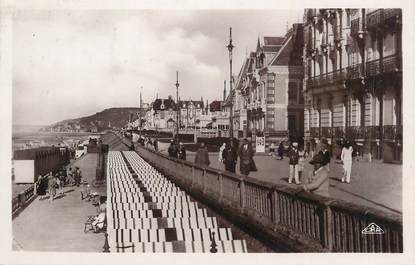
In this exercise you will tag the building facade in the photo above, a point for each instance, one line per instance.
(268, 90)
(190, 112)
(353, 74)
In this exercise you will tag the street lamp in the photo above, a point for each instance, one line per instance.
(230, 48)
(139, 111)
(178, 105)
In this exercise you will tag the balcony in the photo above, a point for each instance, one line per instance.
(392, 132)
(374, 19)
(382, 17)
(355, 27)
(393, 15)
(355, 71)
(355, 132)
(391, 64)
(373, 68)
(315, 132)
(335, 77)
(337, 32)
(326, 132)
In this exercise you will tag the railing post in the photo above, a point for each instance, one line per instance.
(275, 208)
(328, 228)
(106, 247)
(202, 180)
(220, 188)
(193, 177)
(242, 194)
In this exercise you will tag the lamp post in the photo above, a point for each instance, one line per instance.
(178, 105)
(139, 112)
(230, 48)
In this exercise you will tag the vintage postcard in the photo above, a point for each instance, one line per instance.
(159, 131)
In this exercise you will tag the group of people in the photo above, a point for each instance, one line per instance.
(177, 150)
(148, 142)
(53, 183)
(229, 153)
(317, 180)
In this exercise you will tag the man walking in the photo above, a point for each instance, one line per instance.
(172, 149)
(230, 156)
(182, 152)
(294, 157)
(202, 156)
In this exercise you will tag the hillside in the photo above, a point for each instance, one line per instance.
(106, 119)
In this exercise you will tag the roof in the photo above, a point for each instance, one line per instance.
(215, 106)
(288, 55)
(273, 40)
(165, 103)
(187, 103)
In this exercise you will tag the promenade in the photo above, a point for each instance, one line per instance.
(376, 185)
(59, 225)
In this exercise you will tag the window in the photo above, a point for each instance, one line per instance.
(293, 92)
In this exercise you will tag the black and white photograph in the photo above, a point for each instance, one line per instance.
(206, 131)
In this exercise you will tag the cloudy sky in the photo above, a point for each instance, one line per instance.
(68, 64)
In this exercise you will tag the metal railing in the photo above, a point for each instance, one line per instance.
(20, 201)
(315, 223)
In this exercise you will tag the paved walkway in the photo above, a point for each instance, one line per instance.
(376, 185)
(59, 225)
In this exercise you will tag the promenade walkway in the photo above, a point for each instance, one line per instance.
(59, 225)
(376, 185)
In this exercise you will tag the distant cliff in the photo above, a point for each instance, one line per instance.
(100, 121)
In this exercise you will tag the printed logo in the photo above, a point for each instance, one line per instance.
(373, 229)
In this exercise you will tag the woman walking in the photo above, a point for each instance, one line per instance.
(281, 150)
(51, 186)
(246, 154)
(347, 160)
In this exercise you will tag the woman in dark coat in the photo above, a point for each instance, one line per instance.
(246, 158)
(281, 151)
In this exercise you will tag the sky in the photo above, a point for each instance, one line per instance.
(74, 63)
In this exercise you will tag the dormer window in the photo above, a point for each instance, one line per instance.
(162, 106)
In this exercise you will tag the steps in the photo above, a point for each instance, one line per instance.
(148, 213)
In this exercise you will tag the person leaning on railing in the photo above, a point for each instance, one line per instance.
(319, 179)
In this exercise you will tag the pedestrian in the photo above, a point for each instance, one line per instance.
(182, 152)
(307, 149)
(325, 153)
(172, 150)
(319, 178)
(281, 150)
(51, 186)
(272, 149)
(41, 186)
(293, 163)
(132, 147)
(246, 158)
(346, 157)
(230, 157)
(59, 183)
(221, 155)
(70, 179)
(301, 161)
(78, 176)
(313, 147)
(156, 146)
(202, 156)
